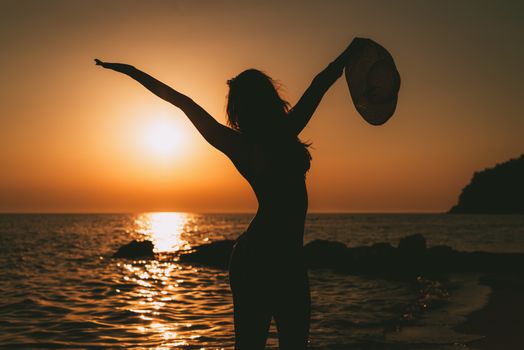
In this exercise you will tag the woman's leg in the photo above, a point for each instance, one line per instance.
(252, 320)
(252, 309)
(292, 311)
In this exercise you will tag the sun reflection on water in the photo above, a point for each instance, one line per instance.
(164, 230)
(173, 305)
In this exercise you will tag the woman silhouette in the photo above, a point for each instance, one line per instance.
(267, 272)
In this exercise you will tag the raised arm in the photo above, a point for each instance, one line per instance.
(218, 135)
(302, 112)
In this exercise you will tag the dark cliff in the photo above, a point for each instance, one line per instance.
(497, 190)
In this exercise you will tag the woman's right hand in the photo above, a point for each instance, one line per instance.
(119, 67)
(99, 63)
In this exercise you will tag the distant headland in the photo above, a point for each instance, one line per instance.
(497, 190)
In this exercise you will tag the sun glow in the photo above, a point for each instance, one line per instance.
(162, 138)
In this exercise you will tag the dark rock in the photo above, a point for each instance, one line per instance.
(382, 255)
(442, 258)
(135, 249)
(497, 190)
(214, 254)
(322, 253)
(440, 250)
(411, 258)
(358, 259)
(382, 250)
(375, 259)
(412, 244)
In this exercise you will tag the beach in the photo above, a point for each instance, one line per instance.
(500, 322)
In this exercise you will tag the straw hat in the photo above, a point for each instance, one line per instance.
(373, 82)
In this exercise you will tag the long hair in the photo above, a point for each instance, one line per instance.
(255, 108)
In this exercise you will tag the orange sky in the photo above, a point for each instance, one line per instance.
(77, 138)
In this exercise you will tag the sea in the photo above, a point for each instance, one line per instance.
(61, 288)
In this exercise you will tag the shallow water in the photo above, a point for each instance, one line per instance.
(61, 288)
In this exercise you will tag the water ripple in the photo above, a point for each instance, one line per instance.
(61, 289)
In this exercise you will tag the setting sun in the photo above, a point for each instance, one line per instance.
(162, 138)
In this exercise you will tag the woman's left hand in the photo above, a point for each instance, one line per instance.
(352, 50)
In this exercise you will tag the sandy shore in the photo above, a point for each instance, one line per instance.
(501, 321)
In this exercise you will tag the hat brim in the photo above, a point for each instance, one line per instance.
(373, 82)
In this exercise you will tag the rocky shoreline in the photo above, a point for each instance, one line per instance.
(410, 257)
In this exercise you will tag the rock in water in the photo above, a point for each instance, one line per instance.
(322, 253)
(412, 244)
(135, 249)
(411, 258)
